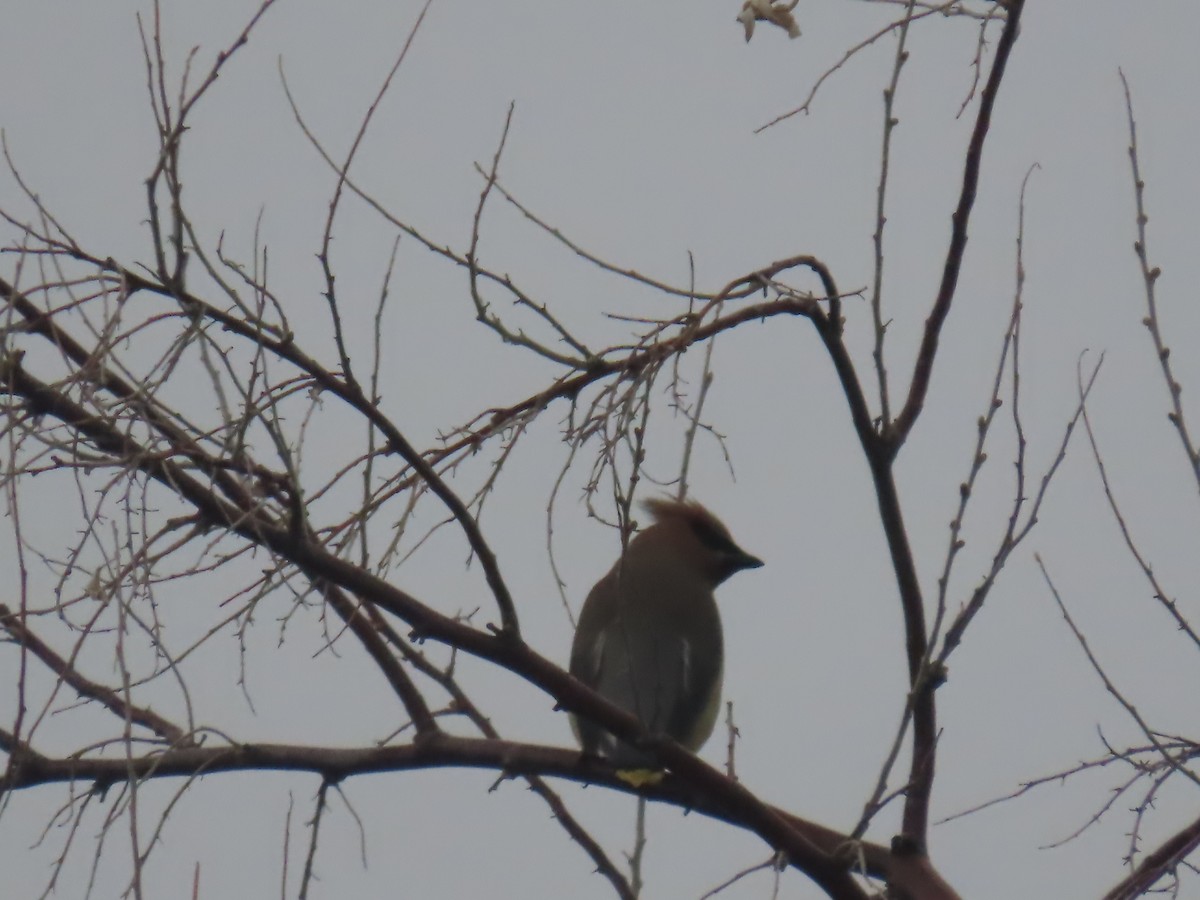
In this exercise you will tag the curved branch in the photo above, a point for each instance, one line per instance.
(335, 764)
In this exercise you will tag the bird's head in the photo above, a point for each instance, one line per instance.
(687, 529)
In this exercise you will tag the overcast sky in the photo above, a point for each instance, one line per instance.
(634, 133)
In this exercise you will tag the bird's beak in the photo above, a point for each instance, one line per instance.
(747, 561)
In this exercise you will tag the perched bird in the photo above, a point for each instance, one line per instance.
(649, 634)
(777, 13)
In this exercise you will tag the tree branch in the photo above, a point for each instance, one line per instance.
(923, 370)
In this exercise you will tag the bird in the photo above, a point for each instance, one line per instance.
(767, 11)
(649, 637)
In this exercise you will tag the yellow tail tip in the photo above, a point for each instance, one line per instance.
(640, 778)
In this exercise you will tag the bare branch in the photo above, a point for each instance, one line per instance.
(923, 369)
(1150, 280)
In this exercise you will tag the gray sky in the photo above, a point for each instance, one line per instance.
(634, 134)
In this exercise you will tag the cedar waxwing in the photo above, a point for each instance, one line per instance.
(649, 635)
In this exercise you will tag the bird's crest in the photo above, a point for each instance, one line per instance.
(691, 513)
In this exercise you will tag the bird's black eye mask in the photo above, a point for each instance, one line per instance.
(712, 537)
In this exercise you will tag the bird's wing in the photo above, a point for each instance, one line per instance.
(694, 713)
(663, 679)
